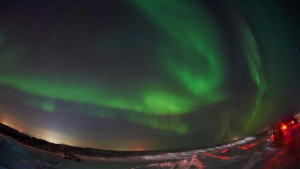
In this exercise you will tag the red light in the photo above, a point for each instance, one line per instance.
(292, 122)
(283, 127)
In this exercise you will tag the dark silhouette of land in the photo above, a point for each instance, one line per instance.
(62, 148)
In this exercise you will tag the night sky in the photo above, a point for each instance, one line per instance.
(147, 74)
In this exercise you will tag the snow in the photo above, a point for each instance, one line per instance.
(249, 153)
(10, 144)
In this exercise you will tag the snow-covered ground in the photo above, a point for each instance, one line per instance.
(251, 152)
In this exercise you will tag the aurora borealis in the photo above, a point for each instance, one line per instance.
(147, 74)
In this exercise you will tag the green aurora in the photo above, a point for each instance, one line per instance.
(192, 57)
(201, 84)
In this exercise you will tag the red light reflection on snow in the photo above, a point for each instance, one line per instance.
(248, 146)
(216, 156)
(194, 162)
(225, 150)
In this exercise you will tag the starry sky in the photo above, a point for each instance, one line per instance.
(147, 74)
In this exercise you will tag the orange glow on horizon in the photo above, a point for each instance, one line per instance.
(138, 149)
(10, 125)
(56, 137)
